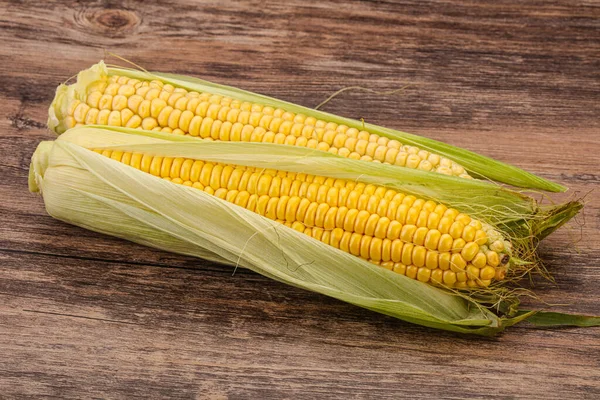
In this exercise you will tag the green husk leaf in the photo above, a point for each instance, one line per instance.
(89, 190)
(479, 165)
(556, 217)
(557, 319)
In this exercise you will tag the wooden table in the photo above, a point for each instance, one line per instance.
(85, 315)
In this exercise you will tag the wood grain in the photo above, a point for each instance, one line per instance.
(84, 315)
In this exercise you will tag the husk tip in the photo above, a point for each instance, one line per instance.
(557, 216)
(65, 94)
(38, 165)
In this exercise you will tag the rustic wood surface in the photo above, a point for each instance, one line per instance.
(88, 316)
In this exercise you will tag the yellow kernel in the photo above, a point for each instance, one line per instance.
(497, 246)
(411, 271)
(407, 253)
(480, 260)
(103, 117)
(500, 273)
(126, 115)
(380, 153)
(365, 243)
(451, 213)
(469, 251)
(445, 224)
(449, 278)
(396, 250)
(432, 239)
(134, 122)
(407, 233)
(413, 161)
(419, 236)
(119, 102)
(126, 90)
(155, 166)
(461, 276)
(400, 268)
(481, 237)
(487, 273)
(445, 243)
(173, 120)
(423, 274)
(165, 168)
(472, 272)
(105, 102)
(375, 249)
(149, 123)
(156, 106)
(492, 258)
(456, 229)
(458, 245)
(413, 215)
(142, 106)
(388, 265)
(112, 89)
(437, 276)
(468, 233)
(422, 219)
(114, 118)
(464, 218)
(457, 263)
(91, 116)
(401, 159)
(80, 112)
(472, 283)
(431, 259)
(425, 165)
(418, 256)
(433, 220)
(93, 99)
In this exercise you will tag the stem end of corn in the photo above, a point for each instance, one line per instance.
(37, 168)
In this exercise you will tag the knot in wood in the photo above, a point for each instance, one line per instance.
(113, 22)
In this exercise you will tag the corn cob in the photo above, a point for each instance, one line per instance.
(420, 239)
(118, 100)
(153, 189)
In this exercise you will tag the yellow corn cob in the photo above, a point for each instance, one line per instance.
(420, 239)
(153, 105)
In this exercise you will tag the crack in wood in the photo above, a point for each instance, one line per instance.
(80, 316)
(14, 167)
(21, 122)
(201, 266)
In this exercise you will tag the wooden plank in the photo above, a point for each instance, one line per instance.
(151, 331)
(85, 315)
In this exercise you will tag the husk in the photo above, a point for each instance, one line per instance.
(476, 164)
(89, 190)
